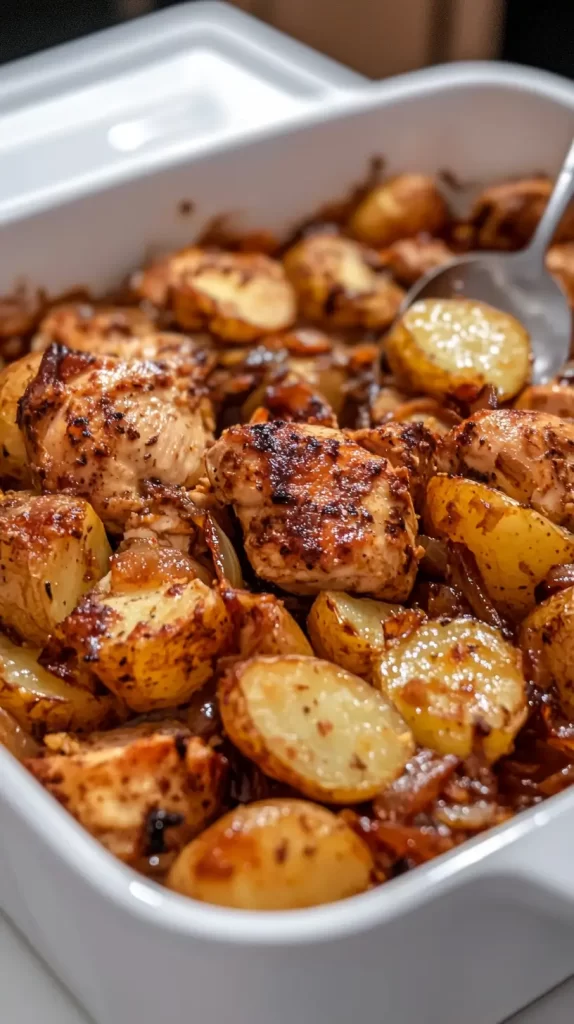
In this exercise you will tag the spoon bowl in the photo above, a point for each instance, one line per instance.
(516, 283)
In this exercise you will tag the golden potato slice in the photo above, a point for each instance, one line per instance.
(40, 701)
(348, 630)
(236, 295)
(314, 726)
(455, 346)
(399, 208)
(514, 546)
(411, 258)
(274, 855)
(152, 647)
(547, 638)
(340, 283)
(53, 548)
(16, 739)
(555, 399)
(262, 625)
(14, 380)
(139, 795)
(458, 685)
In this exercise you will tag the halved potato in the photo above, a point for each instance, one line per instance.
(17, 740)
(547, 637)
(53, 548)
(556, 399)
(262, 625)
(339, 282)
(411, 258)
(401, 207)
(454, 347)
(14, 380)
(459, 686)
(348, 630)
(139, 795)
(40, 701)
(152, 647)
(514, 546)
(274, 855)
(314, 726)
(236, 295)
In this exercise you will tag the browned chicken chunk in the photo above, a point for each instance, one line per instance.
(317, 510)
(99, 427)
(411, 446)
(528, 455)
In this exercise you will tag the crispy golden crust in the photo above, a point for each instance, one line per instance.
(142, 796)
(528, 455)
(341, 283)
(317, 510)
(100, 427)
(237, 296)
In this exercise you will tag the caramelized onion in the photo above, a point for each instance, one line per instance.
(464, 573)
(223, 553)
(559, 578)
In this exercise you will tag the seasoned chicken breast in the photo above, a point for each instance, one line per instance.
(528, 455)
(408, 445)
(99, 427)
(317, 509)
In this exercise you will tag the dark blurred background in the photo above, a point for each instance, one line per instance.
(377, 37)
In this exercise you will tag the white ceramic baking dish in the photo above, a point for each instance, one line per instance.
(469, 938)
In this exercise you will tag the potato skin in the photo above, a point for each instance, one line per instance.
(14, 380)
(314, 726)
(485, 346)
(348, 630)
(40, 701)
(12, 736)
(274, 855)
(340, 283)
(139, 796)
(152, 647)
(53, 548)
(458, 685)
(514, 546)
(547, 638)
(401, 207)
(262, 625)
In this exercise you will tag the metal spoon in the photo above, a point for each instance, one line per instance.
(517, 283)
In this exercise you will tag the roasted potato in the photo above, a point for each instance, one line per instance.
(547, 638)
(39, 701)
(514, 546)
(554, 399)
(314, 726)
(153, 646)
(274, 855)
(458, 685)
(139, 795)
(341, 283)
(237, 296)
(560, 263)
(454, 347)
(17, 740)
(528, 455)
(262, 625)
(505, 216)
(348, 630)
(401, 207)
(411, 258)
(14, 379)
(53, 548)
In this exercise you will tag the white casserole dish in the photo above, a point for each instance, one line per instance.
(470, 937)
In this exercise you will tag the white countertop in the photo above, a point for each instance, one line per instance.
(29, 994)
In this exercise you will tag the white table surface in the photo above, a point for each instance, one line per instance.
(29, 994)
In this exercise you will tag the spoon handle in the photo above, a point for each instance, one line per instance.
(557, 205)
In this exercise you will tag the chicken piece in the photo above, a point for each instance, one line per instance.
(238, 296)
(560, 263)
(99, 427)
(505, 216)
(408, 445)
(528, 455)
(341, 283)
(411, 258)
(317, 510)
(139, 792)
(401, 207)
